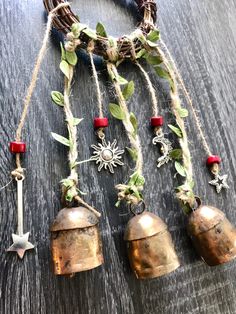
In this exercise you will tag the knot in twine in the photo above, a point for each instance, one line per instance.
(72, 42)
(18, 173)
(124, 194)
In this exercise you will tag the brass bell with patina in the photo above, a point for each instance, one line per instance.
(213, 236)
(150, 249)
(75, 241)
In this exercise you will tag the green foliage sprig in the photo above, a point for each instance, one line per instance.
(68, 61)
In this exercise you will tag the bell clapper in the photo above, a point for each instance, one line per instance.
(20, 240)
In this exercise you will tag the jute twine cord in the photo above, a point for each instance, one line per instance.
(188, 98)
(73, 150)
(183, 141)
(18, 172)
(150, 89)
(95, 76)
(134, 140)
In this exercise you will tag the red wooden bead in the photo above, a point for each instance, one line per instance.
(157, 121)
(17, 147)
(213, 159)
(100, 123)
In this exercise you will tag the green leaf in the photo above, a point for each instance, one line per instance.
(141, 53)
(57, 98)
(151, 44)
(133, 178)
(136, 180)
(154, 60)
(121, 80)
(112, 41)
(176, 130)
(135, 191)
(117, 204)
(134, 122)
(153, 35)
(176, 154)
(164, 74)
(128, 90)
(100, 29)
(71, 57)
(70, 194)
(65, 68)
(63, 52)
(116, 111)
(133, 153)
(183, 112)
(61, 139)
(76, 121)
(140, 181)
(76, 28)
(90, 33)
(68, 183)
(180, 169)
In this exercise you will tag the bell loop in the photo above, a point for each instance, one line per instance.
(135, 209)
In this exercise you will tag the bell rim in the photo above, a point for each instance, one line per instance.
(155, 273)
(99, 262)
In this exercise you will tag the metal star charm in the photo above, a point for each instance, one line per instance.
(20, 244)
(220, 182)
(166, 148)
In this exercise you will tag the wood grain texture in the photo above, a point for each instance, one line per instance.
(202, 37)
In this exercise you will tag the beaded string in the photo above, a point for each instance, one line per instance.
(189, 100)
(213, 161)
(20, 239)
(18, 172)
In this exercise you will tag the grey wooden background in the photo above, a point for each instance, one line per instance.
(202, 37)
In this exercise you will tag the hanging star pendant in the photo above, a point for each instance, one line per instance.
(20, 244)
(220, 182)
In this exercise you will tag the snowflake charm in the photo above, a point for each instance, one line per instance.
(220, 182)
(107, 155)
(166, 148)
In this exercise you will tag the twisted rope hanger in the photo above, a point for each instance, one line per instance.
(65, 18)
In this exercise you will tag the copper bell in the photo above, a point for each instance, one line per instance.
(213, 235)
(75, 241)
(150, 248)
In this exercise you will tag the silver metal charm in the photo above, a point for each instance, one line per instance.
(166, 148)
(20, 240)
(107, 155)
(220, 182)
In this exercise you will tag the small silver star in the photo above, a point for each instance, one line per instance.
(220, 182)
(20, 244)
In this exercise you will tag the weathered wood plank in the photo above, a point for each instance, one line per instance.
(202, 38)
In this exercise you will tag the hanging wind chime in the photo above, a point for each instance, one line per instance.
(75, 237)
